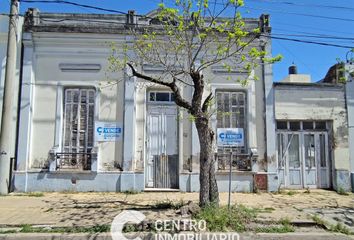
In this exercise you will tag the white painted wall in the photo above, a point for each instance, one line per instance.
(301, 102)
(50, 50)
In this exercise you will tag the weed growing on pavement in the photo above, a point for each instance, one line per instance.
(30, 194)
(165, 204)
(340, 228)
(221, 219)
(276, 229)
(168, 204)
(319, 221)
(283, 192)
(90, 229)
(8, 231)
(307, 190)
(265, 210)
(131, 192)
(283, 227)
(291, 193)
(341, 191)
(285, 221)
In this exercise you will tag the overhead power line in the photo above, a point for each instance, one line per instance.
(308, 41)
(315, 36)
(301, 14)
(74, 4)
(305, 4)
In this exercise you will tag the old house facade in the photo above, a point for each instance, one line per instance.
(84, 128)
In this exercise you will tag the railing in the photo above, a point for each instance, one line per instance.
(73, 161)
(240, 162)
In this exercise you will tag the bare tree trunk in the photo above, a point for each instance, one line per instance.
(208, 187)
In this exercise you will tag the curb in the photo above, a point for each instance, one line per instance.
(150, 236)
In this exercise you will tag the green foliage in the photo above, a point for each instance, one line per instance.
(341, 191)
(276, 229)
(318, 220)
(131, 192)
(190, 36)
(30, 194)
(221, 219)
(168, 204)
(89, 229)
(340, 228)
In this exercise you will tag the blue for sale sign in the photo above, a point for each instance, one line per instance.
(230, 137)
(108, 131)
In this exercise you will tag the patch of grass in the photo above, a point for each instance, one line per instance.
(165, 204)
(307, 191)
(221, 219)
(92, 229)
(168, 204)
(284, 192)
(8, 231)
(284, 226)
(340, 228)
(291, 193)
(285, 221)
(341, 191)
(318, 220)
(30, 194)
(265, 210)
(131, 192)
(276, 229)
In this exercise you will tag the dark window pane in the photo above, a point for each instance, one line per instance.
(162, 96)
(320, 125)
(307, 125)
(323, 150)
(282, 125)
(152, 96)
(295, 125)
(172, 97)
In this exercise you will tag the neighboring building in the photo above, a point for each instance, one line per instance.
(312, 133)
(82, 128)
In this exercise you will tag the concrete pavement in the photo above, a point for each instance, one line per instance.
(92, 209)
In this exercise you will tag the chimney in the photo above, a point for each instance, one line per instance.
(131, 17)
(293, 69)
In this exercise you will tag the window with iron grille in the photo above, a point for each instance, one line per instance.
(78, 134)
(231, 113)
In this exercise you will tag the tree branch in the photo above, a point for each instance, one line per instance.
(206, 102)
(172, 85)
(147, 78)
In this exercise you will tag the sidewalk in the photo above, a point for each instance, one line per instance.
(91, 209)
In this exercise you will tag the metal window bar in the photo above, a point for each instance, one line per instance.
(73, 161)
(231, 113)
(240, 161)
(78, 125)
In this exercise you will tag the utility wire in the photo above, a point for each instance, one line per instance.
(307, 41)
(74, 4)
(314, 36)
(300, 14)
(305, 4)
(121, 12)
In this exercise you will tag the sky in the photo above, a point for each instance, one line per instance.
(319, 21)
